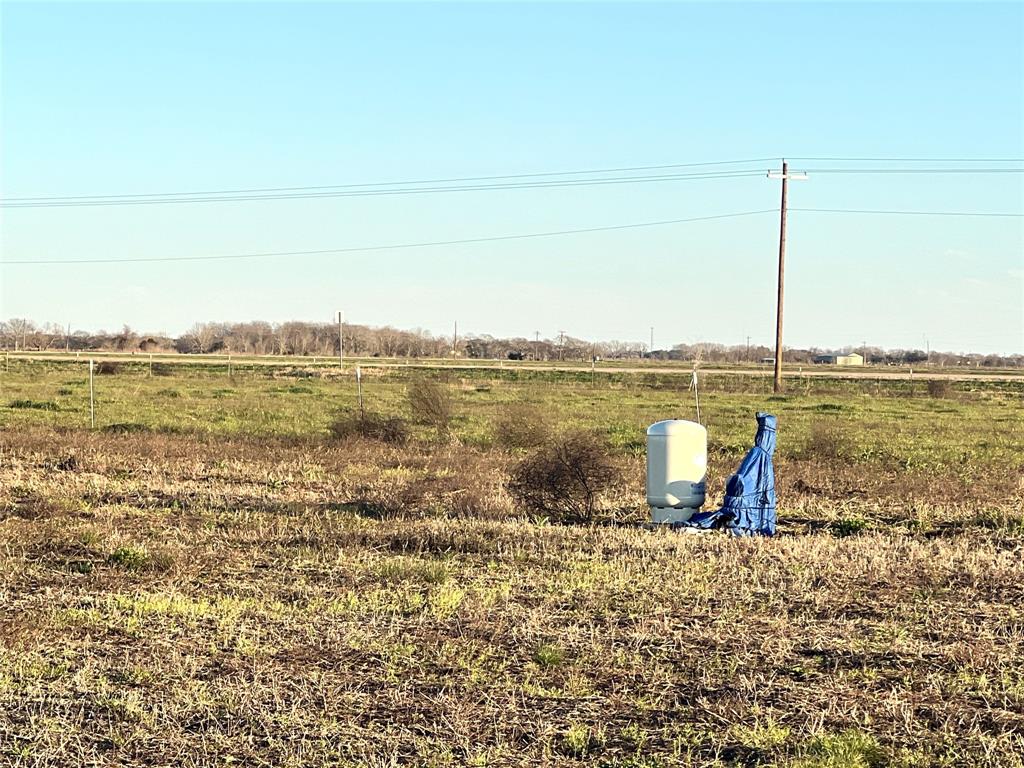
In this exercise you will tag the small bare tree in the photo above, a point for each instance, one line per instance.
(19, 329)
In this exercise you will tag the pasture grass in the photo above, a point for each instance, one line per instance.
(212, 578)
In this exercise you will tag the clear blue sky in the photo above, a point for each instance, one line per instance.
(125, 98)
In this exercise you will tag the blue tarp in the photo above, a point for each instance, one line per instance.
(749, 507)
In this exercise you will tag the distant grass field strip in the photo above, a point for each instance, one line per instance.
(793, 370)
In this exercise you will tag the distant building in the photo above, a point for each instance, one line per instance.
(768, 361)
(851, 359)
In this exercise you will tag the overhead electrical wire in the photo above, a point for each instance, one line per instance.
(497, 238)
(364, 192)
(909, 213)
(397, 246)
(540, 180)
(446, 180)
(979, 171)
(410, 183)
(912, 159)
(405, 182)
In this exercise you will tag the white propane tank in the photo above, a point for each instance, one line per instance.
(677, 462)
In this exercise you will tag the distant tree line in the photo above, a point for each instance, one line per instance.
(321, 339)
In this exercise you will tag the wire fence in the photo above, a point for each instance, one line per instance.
(296, 395)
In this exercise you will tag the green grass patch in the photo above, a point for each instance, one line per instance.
(33, 405)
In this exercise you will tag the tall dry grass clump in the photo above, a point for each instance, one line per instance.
(431, 404)
(521, 426)
(564, 478)
(371, 426)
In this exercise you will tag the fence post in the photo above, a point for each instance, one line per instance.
(359, 389)
(92, 396)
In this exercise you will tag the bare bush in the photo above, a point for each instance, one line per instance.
(521, 426)
(939, 388)
(564, 478)
(107, 368)
(373, 426)
(431, 403)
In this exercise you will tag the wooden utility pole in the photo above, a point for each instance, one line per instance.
(782, 281)
(785, 176)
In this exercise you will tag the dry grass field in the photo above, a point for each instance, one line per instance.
(223, 573)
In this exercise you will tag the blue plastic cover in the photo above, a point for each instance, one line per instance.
(749, 507)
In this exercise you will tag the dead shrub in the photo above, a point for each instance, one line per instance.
(431, 404)
(107, 368)
(372, 426)
(563, 478)
(939, 388)
(521, 426)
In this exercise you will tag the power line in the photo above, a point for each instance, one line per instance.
(398, 183)
(908, 213)
(397, 246)
(75, 203)
(980, 171)
(11, 203)
(501, 182)
(913, 159)
(498, 238)
(622, 169)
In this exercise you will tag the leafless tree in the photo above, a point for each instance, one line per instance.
(19, 330)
